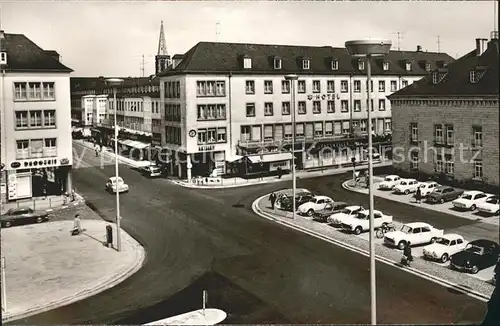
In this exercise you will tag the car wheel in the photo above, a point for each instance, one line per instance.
(401, 245)
(441, 200)
(358, 230)
(433, 240)
(310, 212)
(474, 269)
(444, 258)
(39, 220)
(407, 192)
(473, 207)
(7, 224)
(497, 212)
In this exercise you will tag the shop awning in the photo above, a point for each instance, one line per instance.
(233, 158)
(276, 157)
(125, 142)
(138, 144)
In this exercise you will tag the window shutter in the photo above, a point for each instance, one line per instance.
(345, 124)
(288, 129)
(268, 131)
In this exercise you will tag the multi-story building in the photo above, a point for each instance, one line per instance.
(447, 123)
(226, 100)
(36, 149)
(94, 109)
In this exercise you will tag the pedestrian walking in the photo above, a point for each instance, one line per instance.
(280, 172)
(272, 199)
(77, 227)
(418, 196)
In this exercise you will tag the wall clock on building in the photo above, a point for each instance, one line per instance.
(192, 133)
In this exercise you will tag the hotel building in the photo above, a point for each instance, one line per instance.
(447, 123)
(36, 149)
(228, 102)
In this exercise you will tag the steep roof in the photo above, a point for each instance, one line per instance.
(456, 78)
(23, 55)
(212, 57)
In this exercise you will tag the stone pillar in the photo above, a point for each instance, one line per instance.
(189, 165)
(179, 169)
(69, 182)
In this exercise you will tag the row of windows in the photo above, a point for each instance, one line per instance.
(212, 135)
(135, 106)
(172, 112)
(445, 164)
(36, 148)
(34, 91)
(173, 89)
(173, 135)
(317, 129)
(210, 88)
(445, 134)
(34, 119)
(131, 90)
(316, 107)
(211, 112)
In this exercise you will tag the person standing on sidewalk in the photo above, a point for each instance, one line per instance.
(418, 196)
(272, 199)
(77, 226)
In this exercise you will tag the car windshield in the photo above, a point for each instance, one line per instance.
(443, 241)
(467, 196)
(313, 200)
(113, 181)
(346, 211)
(362, 216)
(406, 229)
(492, 200)
(475, 249)
(388, 179)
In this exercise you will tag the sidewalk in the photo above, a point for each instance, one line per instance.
(109, 153)
(49, 203)
(241, 182)
(446, 208)
(47, 268)
(472, 285)
(197, 317)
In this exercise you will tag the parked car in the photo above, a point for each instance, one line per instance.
(338, 218)
(443, 194)
(316, 204)
(151, 171)
(23, 215)
(406, 186)
(490, 206)
(444, 247)
(416, 233)
(330, 209)
(361, 222)
(113, 186)
(477, 255)
(470, 199)
(427, 187)
(389, 182)
(286, 202)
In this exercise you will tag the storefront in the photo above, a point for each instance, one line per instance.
(259, 165)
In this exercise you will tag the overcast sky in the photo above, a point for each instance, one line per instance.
(109, 37)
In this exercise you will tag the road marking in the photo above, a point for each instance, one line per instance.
(365, 253)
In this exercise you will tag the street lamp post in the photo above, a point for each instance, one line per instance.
(369, 49)
(115, 82)
(292, 79)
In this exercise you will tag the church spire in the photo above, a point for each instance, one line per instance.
(162, 44)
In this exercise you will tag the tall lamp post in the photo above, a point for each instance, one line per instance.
(115, 82)
(292, 79)
(370, 48)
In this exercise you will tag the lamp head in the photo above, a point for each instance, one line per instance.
(114, 82)
(291, 77)
(371, 47)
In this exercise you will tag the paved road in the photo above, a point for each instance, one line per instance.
(212, 238)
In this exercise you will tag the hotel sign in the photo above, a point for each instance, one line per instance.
(206, 148)
(317, 97)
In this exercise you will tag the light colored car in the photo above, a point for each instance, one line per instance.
(490, 206)
(470, 199)
(361, 222)
(317, 203)
(151, 171)
(416, 233)
(349, 211)
(427, 187)
(445, 247)
(406, 186)
(113, 186)
(389, 182)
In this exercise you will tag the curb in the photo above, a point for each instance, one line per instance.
(105, 285)
(384, 260)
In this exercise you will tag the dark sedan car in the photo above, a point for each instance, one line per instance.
(330, 209)
(17, 216)
(300, 198)
(443, 193)
(477, 255)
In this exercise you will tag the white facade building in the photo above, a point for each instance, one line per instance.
(237, 103)
(94, 109)
(36, 148)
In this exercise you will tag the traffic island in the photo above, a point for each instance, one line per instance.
(46, 267)
(439, 274)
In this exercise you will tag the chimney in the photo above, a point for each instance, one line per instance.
(480, 46)
(419, 48)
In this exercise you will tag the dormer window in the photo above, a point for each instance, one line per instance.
(473, 76)
(277, 63)
(385, 65)
(335, 64)
(435, 77)
(361, 65)
(408, 66)
(305, 64)
(247, 63)
(428, 66)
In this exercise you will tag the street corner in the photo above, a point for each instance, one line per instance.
(46, 267)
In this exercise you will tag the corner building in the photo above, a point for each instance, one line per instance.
(446, 125)
(228, 102)
(36, 148)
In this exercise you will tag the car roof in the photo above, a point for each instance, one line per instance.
(353, 207)
(429, 183)
(392, 176)
(113, 178)
(444, 187)
(321, 197)
(367, 211)
(483, 242)
(417, 224)
(450, 236)
(472, 192)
